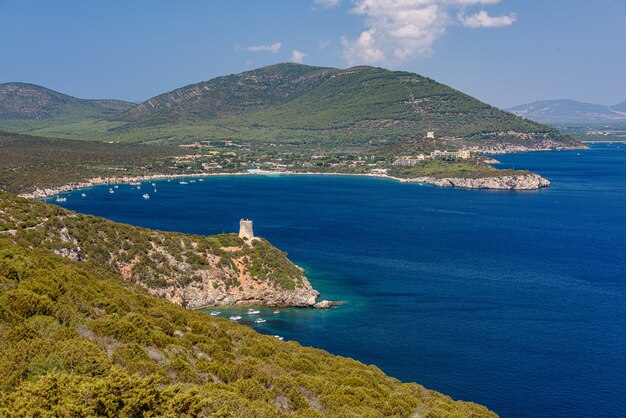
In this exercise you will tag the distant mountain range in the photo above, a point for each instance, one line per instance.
(571, 112)
(359, 107)
(22, 101)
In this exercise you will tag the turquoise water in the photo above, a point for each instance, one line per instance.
(515, 300)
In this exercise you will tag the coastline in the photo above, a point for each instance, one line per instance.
(510, 184)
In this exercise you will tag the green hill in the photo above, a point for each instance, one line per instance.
(310, 109)
(227, 96)
(22, 101)
(78, 340)
(360, 106)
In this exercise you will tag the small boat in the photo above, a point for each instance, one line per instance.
(146, 196)
(276, 311)
(253, 312)
(138, 187)
(153, 184)
(135, 183)
(111, 191)
(154, 190)
(200, 179)
(279, 337)
(235, 318)
(215, 313)
(61, 199)
(116, 186)
(259, 320)
(192, 181)
(83, 195)
(183, 182)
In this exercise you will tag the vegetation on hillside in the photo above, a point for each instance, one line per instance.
(153, 259)
(445, 169)
(312, 108)
(76, 340)
(28, 162)
(22, 101)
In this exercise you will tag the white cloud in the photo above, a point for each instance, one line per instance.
(324, 43)
(297, 56)
(273, 48)
(400, 30)
(482, 19)
(327, 3)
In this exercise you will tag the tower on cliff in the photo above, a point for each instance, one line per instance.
(245, 229)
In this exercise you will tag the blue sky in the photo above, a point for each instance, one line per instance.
(504, 52)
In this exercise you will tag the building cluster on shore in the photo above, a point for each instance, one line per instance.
(412, 160)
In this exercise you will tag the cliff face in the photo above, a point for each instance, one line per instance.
(529, 181)
(252, 292)
(190, 270)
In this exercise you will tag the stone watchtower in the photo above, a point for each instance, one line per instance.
(245, 229)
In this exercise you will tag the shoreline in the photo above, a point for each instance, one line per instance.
(44, 193)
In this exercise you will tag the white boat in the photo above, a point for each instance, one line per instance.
(192, 181)
(116, 186)
(259, 320)
(135, 183)
(111, 191)
(154, 190)
(276, 311)
(138, 187)
(200, 179)
(153, 184)
(235, 318)
(279, 337)
(61, 199)
(146, 196)
(215, 313)
(83, 194)
(183, 182)
(253, 312)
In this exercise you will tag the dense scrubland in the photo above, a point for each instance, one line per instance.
(77, 340)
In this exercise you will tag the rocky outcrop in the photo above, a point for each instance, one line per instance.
(529, 181)
(190, 270)
(204, 293)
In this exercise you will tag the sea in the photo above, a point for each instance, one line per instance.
(512, 299)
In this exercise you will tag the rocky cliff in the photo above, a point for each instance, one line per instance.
(528, 181)
(190, 270)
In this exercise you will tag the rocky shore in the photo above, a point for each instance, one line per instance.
(508, 182)
(202, 295)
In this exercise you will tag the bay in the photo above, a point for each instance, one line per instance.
(515, 300)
